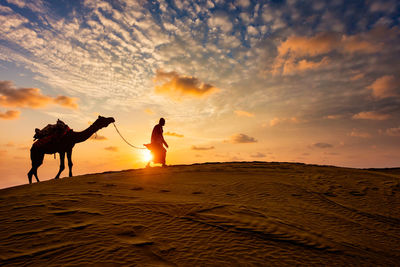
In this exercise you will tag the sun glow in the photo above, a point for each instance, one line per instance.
(146, 155)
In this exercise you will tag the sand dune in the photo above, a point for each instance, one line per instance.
(206, 215)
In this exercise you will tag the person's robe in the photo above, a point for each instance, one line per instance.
(156, 146)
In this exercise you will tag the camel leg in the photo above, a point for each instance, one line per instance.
(62, 164)
(69, 157)
(35, 174)
(37, 160)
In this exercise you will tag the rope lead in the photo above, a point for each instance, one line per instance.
(125, 139)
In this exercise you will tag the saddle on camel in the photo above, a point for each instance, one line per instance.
(59, 138)
(50, 133)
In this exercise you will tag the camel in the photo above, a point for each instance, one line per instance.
(62, 146)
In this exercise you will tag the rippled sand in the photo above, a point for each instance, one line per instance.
(206, 215)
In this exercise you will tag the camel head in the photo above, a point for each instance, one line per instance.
(103, 122)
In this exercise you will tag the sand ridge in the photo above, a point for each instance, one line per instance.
(213, 214)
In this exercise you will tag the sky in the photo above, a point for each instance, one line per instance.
(291, 81)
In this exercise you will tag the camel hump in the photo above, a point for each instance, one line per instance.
(55, 130)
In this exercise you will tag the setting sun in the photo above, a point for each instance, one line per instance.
(146, 155)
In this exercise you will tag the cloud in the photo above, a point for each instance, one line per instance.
(36, 6)
(383, 6)
(10, 115)
(393, 131)
(202, 147)
(243, 3)
(65, 101)
(357, 77)
(304, 64)
(242, 113)
(322, 145)
(275, 121)
(98, 137)
(220, 20)
(149, 111)
(299, 46)
(258, 155)
(9, 144)
(112, 148)
(242, 139)
(173, 134)
(371, 115)
(30, 97)
(176, 85)
(359, 44)
(385, 86)
(358, 133)
(293, 51)
(292, 66)
(333, 117)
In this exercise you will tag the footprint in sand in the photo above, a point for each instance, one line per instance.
(164, 191)
(391, 188)
(330, 194)
(135, 240)
(137, 188)
(357, 193)
(133, 237)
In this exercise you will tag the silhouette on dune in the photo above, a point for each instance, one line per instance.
(63, 145)
(157, 144)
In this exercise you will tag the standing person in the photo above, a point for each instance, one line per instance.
(157, 144)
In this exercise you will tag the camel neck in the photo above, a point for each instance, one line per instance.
(85, 134)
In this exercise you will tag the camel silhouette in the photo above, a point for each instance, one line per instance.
(62, 146)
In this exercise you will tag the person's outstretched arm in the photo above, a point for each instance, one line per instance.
(165, 143)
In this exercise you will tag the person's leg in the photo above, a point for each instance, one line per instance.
(163, 156)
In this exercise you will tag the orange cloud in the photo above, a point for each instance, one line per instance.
(111, 148)
(357, 77)
(173, 134)
(291, 66)
(393, 131)
(325, 42)
(293, 51)
(98, 137)
(241, 139)
(65, 101)
(242, 113)
(385, 86)
(176, 86)
(359, 43)
(322, 145)
(306, 65)
(333, 117)
(30, 97)
(149, 111)
(371, 115)
(275, 121)
(309, 46)
(10, 115)
(358, 133)
(258, 155)
(202, 147)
